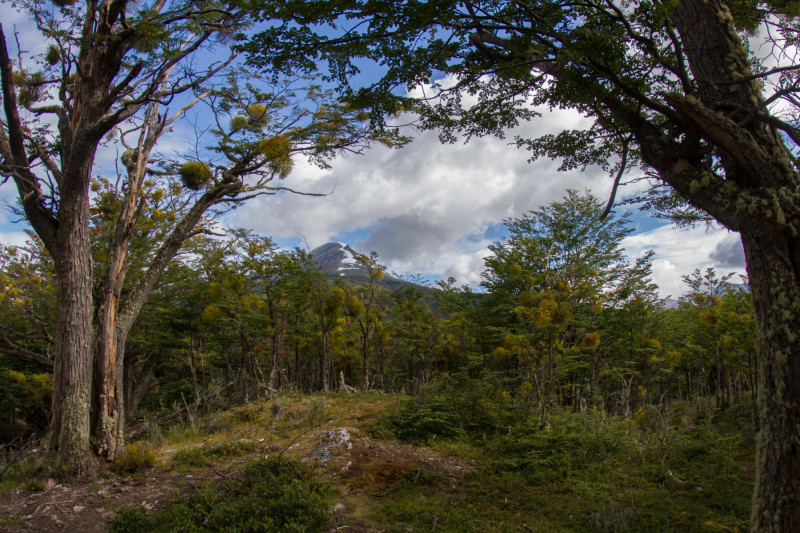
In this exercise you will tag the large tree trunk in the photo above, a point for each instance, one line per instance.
(69, 432)
(109, 387)
(774, 270)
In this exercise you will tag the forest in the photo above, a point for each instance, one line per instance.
(562, 325)
(561, 321)
(138, 341)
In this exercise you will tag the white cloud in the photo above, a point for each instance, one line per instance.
(679, 252)
(427, 206)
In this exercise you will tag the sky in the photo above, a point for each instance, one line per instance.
(433, 209)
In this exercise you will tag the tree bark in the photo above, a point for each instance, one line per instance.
(774, 270)
(70, 427)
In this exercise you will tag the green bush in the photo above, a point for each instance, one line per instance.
(204, 456)
(131, 519)
(24, 396)
(138, 456)
(451, 409)
(269, 496)
(572, 443)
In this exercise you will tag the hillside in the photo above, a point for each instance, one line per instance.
(340, 261)
(377, 462)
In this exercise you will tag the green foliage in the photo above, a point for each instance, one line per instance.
(449, 409)
(587, 472)
(138, 456)
(572, 443)
(203, 456)
(277, 151)
(269, 496)
(131, 519)
(26, 396)
(53, 55)
(195, 174)
(34, 484)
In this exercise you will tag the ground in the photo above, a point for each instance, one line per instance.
(357, 464)
(586, 472)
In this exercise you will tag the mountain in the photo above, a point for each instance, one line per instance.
(338, 259)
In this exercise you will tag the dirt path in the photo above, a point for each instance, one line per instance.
(86, 506)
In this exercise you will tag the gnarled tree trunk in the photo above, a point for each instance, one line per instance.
(774, 269)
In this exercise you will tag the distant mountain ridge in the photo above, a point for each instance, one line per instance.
(340, 259)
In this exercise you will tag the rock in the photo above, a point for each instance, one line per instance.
(328, 440)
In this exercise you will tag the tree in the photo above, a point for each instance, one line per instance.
(672, 87)
(551, 279)
(367, 305)
(26, 304)
(705, 300)
(26, 341)
(115, 67)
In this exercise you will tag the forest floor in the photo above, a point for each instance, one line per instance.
(383, 484)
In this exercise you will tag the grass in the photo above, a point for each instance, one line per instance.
(205, 456)
(416, 464)
(584, 472)
(138, 456)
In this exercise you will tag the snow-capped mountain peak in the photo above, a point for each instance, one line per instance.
(338, 257)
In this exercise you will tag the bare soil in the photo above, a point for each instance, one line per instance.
(85, 506)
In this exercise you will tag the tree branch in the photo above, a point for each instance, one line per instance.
(11, 349)
(43, 221)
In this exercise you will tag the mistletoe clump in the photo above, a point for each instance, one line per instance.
(195, 175)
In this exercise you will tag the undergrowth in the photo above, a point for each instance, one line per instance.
(203, 456)
(138, 456)
(270, 495)
(668, 469)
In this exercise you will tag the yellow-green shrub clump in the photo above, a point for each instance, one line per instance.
(53, 55)
(238, 123)
(591, 340)
(277, 152)
(195, 175)
(137, 456)
(274, 147)
(257, 113)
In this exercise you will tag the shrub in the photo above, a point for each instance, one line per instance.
(449, 409)
(24, 396)
(209, 455)
(572, 443)
(131, 519)
(195, 174)
(269, 496)
(138, 456)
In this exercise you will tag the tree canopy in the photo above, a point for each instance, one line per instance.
(673, 87)
(121, 74)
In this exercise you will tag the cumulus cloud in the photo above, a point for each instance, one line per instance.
(729, 253)
(425, 208)
(679, 252)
